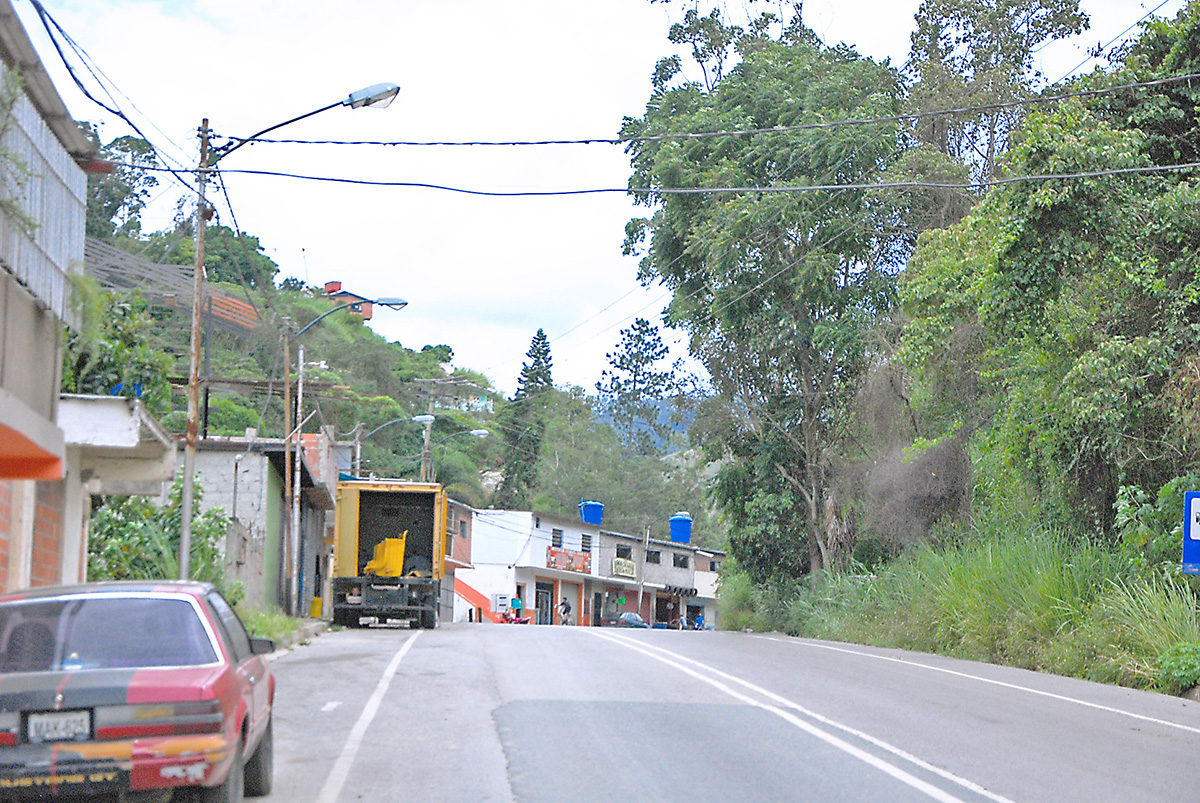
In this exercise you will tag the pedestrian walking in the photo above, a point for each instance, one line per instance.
(564, 609)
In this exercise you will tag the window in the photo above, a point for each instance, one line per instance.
(449, 542)
(239, 640)
(585, 542)
(714, 565)
(653, 556)
(625, 552)
(556, 538)
(462, 528)
(681, 561)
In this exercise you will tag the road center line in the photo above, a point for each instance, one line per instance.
(678, 662)
(341, 769)
(1063, 698)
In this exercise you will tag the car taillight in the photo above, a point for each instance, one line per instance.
(10, 727)
(160, 719)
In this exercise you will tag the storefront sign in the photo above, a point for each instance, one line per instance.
(568, 560)
(623, 567)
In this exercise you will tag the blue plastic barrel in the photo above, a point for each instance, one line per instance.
(591, 512)
(681, 528)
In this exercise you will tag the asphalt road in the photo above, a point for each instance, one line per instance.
(497, 712)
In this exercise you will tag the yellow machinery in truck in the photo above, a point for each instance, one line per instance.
(389, 552)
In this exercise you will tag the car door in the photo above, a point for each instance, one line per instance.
(251, 668)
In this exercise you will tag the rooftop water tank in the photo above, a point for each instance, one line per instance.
(681, 527)
(591, 512)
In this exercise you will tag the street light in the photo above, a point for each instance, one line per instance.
(379, 96)
(292, 481)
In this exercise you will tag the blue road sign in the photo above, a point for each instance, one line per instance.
(1191, 532)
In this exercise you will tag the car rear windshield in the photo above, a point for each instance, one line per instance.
(101, 632)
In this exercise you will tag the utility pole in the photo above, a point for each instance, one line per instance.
(642, 571)
(187, 501)
(287, 448)
(294, 550)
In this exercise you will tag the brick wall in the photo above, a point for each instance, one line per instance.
(48, 534)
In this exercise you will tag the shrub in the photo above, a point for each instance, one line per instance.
(132, 538)
(1179, 668)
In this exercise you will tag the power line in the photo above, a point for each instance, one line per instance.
(775, 188)
(51, 25)
(695, 135)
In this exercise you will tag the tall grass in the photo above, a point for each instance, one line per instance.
(1033, 599)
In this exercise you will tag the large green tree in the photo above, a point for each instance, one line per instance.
(523, 422)
(979, 53)
(634, 388)
(777, 290)
(1073, 302)
(115, 199)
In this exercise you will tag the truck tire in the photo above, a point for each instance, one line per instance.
(344, 618)
(428, 620)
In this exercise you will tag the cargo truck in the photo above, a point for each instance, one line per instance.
(389, 552)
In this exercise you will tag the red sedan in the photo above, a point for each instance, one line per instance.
(150, 687)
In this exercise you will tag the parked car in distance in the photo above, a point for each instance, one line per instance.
(149, 688)
(626, 619)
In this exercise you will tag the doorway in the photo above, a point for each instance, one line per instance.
(544, 597)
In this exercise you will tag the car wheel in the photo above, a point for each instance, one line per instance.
(261, 767)
(232, 791)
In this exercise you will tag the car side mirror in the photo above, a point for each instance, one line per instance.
(262, 646)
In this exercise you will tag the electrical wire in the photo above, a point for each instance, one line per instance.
(784, 188)
(1110, 42)
(826, 125)
(51, 26)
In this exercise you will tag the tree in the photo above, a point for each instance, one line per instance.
(112, 352)
(582, 458)
(777, 290)
(633, 390)
(969, 53)
(523, 423)
(1075, 302)
(228, 256)
(115, 200)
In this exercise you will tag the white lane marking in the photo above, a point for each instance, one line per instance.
(874, 761)
(1014, 686)
(896, 751)
(341, 769)
(329, 706)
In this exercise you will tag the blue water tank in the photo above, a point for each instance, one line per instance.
(591, 512)
(681, 527)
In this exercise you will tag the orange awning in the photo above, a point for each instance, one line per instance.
(22, 459)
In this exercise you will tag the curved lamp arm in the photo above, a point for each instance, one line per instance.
(393, 303)
(379, 95)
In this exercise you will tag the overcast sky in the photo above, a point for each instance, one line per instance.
(481, 274)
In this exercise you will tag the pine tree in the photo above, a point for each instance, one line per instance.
(632, 389)
(524, 423)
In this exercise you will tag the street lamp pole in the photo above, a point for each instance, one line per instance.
(378, 96)
(293, 493)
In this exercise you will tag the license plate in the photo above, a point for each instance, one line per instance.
(59, 726)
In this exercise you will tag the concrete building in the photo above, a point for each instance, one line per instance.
(245, 477)
(542, 558)
(114, 447)
(44, 158)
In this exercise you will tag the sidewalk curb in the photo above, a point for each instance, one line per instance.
(306, 632)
